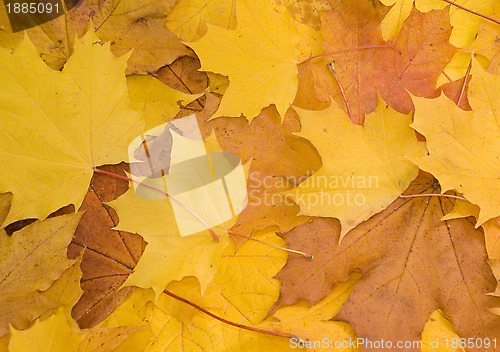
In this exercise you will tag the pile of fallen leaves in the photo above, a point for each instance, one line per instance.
(370, 136)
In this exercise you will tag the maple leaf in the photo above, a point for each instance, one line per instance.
(465, 25)
(56, 126)
(5, 202)
(305, 11)
(314, 322)
(184, 75)
(34, 339)
(424, 53)
(364, 168)
(109, 255)
(136, 25)
(261, 141)
(245, 278)
(438, 328)
(188, 19)
(243, 291)
(32, 259)
(485, 48)
(457, 92)
(412, 263)
(65, 336)
(487, 42)
(311, 44)
(463, 145)
(174, 325)
(172, 254)
(260, 58)
(157, 101)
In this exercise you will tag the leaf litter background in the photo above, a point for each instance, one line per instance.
(409, 269)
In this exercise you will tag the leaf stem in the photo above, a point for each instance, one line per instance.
(473, 12)
(351, 49)
(308, 256)
(214, 235)
(289, 336)
(448, 77)
(212, 232)
(430, 195)
(344, 96)
(465, 83)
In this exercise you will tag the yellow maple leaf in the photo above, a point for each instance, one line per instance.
(260, 58)
(313, 322)
(306, 322)
(21, 310)
(243, 291)
(364, 168)
(60, 334)
(156, 100)
(64, 336)
(487, 43)
(465, 25)
(5, 202)
(32, 259)
(246, 276)
(57, 126)
(464, 145)
(439, 335)
(485, 48)
(188, 19)
(179, 244)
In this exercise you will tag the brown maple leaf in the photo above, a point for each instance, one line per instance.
(264, 141)
(110, 256)
(412, 263)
